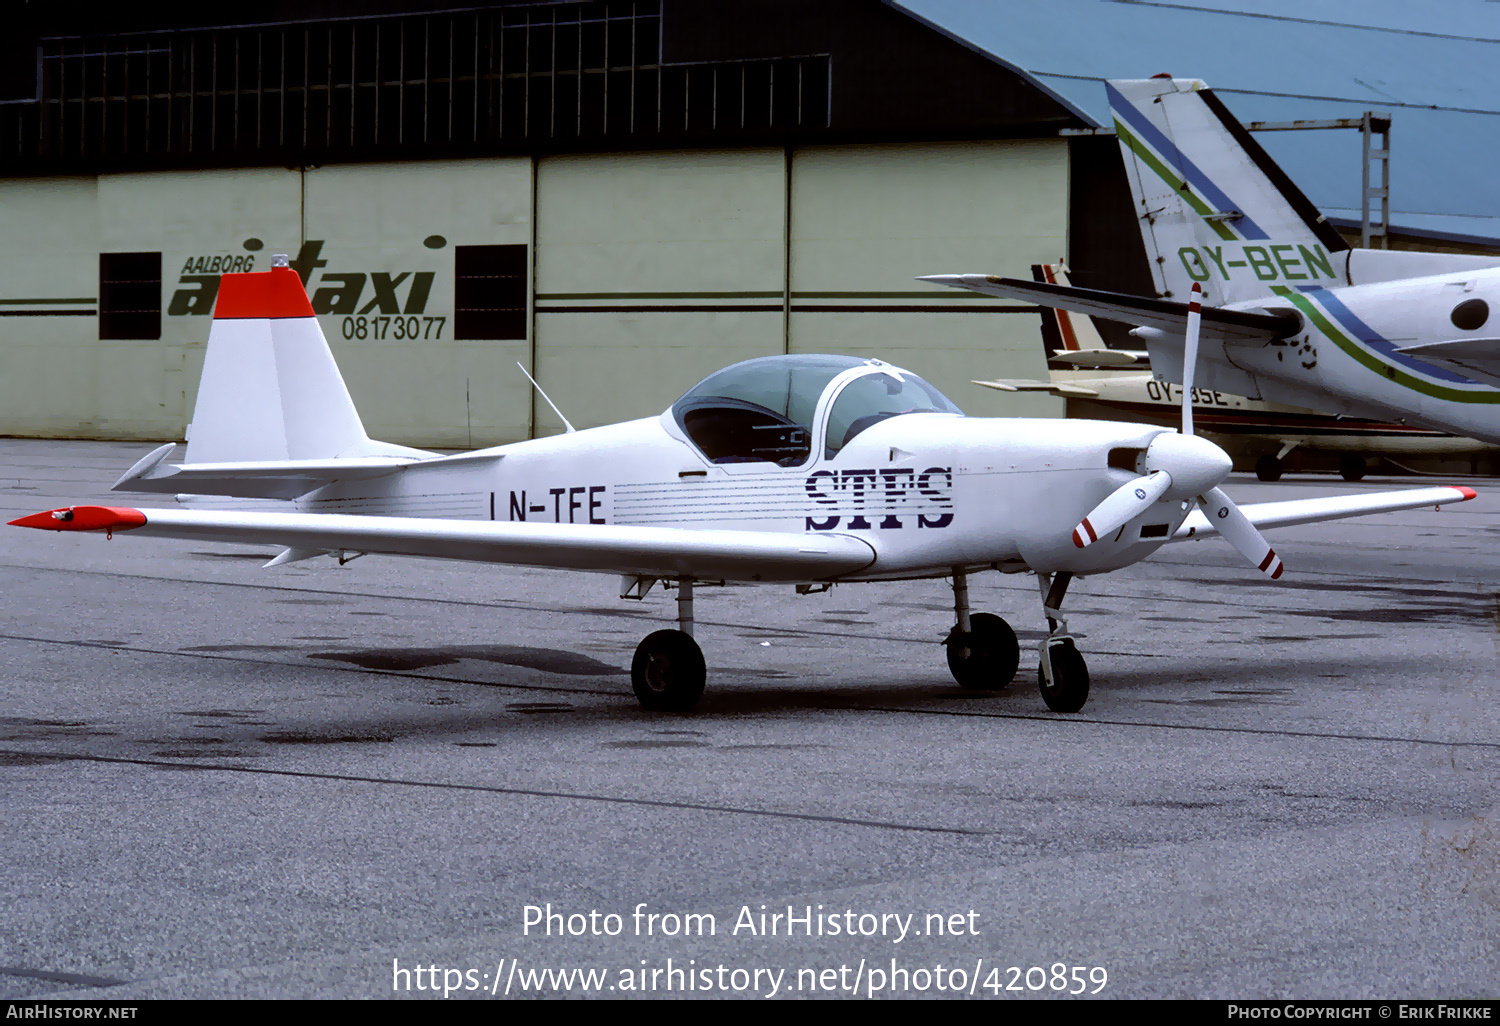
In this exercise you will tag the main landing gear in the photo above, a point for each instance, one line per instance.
(982, 649)
(1063, 676)
(668, 672)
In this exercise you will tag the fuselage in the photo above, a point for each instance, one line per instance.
(1350, 345)
(929, 491)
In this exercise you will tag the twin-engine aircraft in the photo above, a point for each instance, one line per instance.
(796, 470)
(1114, 384)
(1292, 314)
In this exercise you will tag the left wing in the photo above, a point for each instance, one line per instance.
(1334, 507)
(1162, 314)
(644, 551)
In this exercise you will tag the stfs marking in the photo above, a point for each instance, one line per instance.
(882, 494)
(565, 504)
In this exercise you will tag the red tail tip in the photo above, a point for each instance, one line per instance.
(274, 293)
(84, 518)
(1467, 492)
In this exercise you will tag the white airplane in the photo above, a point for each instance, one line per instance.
(804, 470)
(1292, 314)
(1113, 384)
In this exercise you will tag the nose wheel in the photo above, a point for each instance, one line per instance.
(1063, 676)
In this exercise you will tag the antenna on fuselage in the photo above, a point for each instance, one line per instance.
(550, 403)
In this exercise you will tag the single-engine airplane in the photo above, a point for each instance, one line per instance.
(1292, 314)
(804, 470)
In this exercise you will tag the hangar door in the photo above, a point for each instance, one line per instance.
(867, 220)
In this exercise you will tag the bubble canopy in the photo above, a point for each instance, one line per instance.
(766, 410)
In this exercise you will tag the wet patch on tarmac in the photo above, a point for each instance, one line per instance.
(26, 729)
(539, 707)
(236, 648)
(663, 742)
(315, 738)
(27, 759)
(547, 660)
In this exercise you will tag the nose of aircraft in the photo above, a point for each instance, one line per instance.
(1194, 464)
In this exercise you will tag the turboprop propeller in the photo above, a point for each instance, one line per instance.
(1182, 467)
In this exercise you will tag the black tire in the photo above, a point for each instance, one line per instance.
(1070, 680)
(1268, 468)
(668, 673)
(1352, 468)
(993, 654)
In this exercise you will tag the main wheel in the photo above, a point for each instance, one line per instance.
(992, 653)
(1268, 468)
(1070, 679)
(1352, 468)
(667, 673)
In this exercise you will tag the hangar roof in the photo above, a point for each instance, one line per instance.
(1435, 69)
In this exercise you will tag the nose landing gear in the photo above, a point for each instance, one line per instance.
(1063, 676)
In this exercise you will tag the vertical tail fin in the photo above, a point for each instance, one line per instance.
(270, 388)
(1214, 208)
(1062, 330)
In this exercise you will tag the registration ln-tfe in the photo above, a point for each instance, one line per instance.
(795, 470)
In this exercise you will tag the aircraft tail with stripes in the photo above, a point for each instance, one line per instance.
(1216, 209)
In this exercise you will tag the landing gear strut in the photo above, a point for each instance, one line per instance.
(668, 672)
(982, 649)
(1063, 676)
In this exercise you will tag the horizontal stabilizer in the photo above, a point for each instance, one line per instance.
(643, 551)
(1476, 358)
(1292, 512)
(266, 479)
(1163, 314)
(1052, 387)
(1101, 358)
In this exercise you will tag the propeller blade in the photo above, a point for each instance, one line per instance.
(1121, 506)
(1190, 356)
(1237, 529)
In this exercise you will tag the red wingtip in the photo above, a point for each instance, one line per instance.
(1468, 493)
(274, 293)
(84, 518)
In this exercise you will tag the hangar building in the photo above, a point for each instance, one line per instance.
(621, 195)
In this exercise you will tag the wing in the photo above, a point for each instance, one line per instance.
(644, 551)
(1334, 507)
(1162, 314)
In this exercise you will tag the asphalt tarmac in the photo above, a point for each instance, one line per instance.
(430, 780)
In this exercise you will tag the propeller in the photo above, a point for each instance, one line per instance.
(1180, 467)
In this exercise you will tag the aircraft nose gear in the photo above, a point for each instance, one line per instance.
(982, 649)
(668, 672)
(1063, 676)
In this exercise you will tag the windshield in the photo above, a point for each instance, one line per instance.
(877, 396)
(759, 410)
